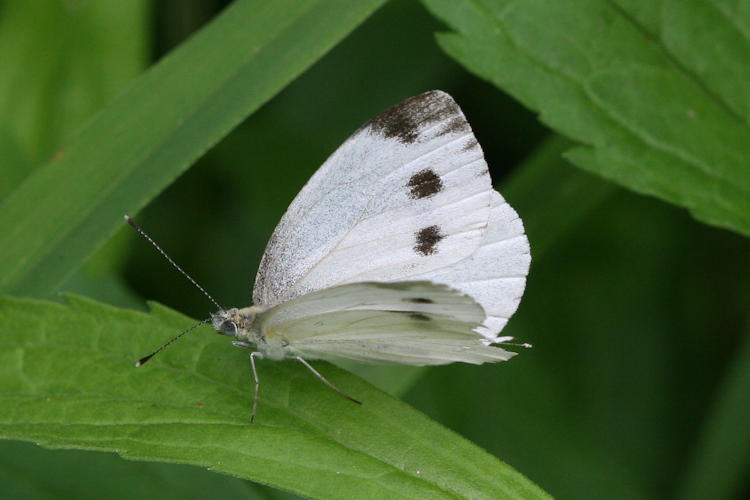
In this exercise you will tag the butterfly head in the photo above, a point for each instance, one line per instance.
(234, 322)
(226, 321)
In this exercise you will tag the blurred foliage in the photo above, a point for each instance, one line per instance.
(637, 385)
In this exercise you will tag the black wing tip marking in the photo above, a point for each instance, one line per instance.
(405, 120)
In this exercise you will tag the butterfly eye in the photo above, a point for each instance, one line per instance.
(229, 328)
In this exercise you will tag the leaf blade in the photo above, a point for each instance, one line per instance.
(79, 389)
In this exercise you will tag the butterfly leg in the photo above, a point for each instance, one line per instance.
(242, 345)
(326, 382)
(254, 355)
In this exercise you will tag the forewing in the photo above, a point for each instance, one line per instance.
(416, 323)
(407, 193)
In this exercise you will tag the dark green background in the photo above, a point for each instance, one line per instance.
(636, 311)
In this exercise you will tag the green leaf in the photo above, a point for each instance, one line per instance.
(151, 133)
(652, 111)
(67, 380)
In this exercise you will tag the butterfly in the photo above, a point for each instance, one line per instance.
(397, 250)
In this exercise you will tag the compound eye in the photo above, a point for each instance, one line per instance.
(229, 328)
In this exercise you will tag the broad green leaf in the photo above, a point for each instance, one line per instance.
(67, 380)
(651, 112)
(147, 136)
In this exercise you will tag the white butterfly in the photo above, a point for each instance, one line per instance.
(397, 250)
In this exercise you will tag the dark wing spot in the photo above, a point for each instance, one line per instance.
(419, 300)
(405, 120)
(424, 183)
(427, 240)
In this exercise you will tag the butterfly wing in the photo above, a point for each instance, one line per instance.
(407, 193)
(413, 322)
(495, 274)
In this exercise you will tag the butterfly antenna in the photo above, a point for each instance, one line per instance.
(146, 358)
(143, 233)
